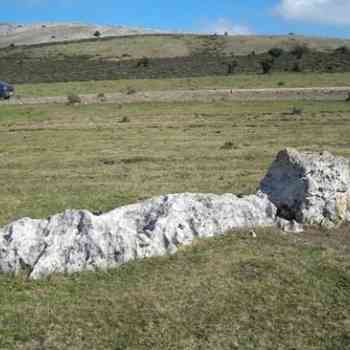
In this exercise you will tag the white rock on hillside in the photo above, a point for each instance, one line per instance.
(299, 188)
(311, 188)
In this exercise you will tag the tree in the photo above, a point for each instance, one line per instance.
(299, 51)
(276, 52)
(231, 67)
(97, 34)
(266, 66)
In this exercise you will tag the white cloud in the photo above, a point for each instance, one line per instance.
(334, 12)
(223, 25)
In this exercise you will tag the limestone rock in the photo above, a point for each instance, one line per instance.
(310, 188)
(77, 240)
(300, 188)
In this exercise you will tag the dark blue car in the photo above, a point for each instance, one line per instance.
(6, 90)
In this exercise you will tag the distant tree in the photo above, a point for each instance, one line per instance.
(73, 99)
(296, 68)
(143, 62)
(231, 67)
(299, 51)
(97, 34)
(12, 45)
(276, 52)
(226, 33)
(266, 66)
(342, 50)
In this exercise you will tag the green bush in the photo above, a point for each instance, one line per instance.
(276, 52)
(73, 99)
(299, 51)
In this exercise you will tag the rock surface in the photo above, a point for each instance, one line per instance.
(77, 240)
(299, 188)
(310, 188)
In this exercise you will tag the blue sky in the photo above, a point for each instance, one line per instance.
(309, 17)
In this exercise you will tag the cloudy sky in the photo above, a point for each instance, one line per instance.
(309, 17)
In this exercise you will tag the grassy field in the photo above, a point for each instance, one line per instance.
(234, 292)
(98, 157)
(240, 81)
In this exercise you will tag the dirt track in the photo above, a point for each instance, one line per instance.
(330, 93)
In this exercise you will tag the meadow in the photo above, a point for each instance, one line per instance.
(233, 292)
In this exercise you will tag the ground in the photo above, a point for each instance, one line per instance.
(104, 155)
(234, 292)
(239, 81)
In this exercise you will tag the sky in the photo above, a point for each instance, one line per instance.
(308, 17)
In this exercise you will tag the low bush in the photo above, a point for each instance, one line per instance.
(73, 99)
(276, 52)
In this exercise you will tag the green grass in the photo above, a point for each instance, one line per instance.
(54, 157)
(232, 292)
(241, 81)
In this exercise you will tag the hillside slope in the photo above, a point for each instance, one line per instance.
(18, 34)
(169, 56)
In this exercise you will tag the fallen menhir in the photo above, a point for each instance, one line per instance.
(299, 188)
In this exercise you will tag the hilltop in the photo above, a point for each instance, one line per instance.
(38, 33)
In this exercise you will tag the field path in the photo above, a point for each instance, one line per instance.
(328, 93)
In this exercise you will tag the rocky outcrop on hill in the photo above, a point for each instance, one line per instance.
(299, 188)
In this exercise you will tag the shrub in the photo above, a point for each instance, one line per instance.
(125, 119)
(266, 66)
(143, 62)
(296, 68)
(231, 67)
(97, 34)
(227, 145)
(299, 51)
(101, 96)
(342, 50)
(348, 98)
(73, 99)
(276, 52)
(281, 83)
(130, 90)
(296, 111)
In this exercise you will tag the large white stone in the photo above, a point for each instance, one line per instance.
(311, 188)
(300, 188)
(77, 240)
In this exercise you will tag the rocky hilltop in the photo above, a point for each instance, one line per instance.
(299, 189)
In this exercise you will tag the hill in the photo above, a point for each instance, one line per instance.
(170, 56)
(38, 33)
